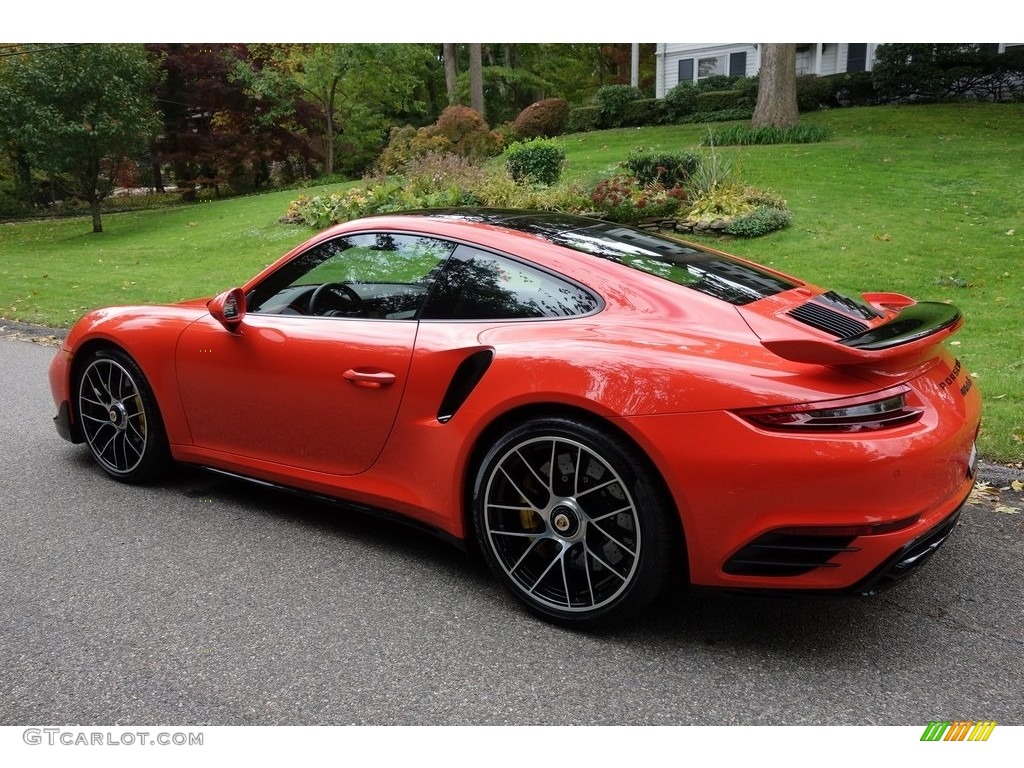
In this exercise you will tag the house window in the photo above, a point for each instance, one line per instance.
(686, 70)
(804, 65)
(711, 66)
(738, 64)
(857, 57)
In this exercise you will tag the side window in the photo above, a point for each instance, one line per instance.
(377, 276)
(478, 285)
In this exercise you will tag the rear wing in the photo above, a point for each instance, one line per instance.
(914, 327)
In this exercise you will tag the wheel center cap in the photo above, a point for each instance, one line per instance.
(117, 415)
(565, 520)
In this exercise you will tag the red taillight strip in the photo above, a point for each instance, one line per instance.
(874, 411)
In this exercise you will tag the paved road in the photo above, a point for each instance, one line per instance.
(205, 602)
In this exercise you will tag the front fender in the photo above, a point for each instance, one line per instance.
(149, 334)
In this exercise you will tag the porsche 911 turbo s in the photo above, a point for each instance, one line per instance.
(597, 408)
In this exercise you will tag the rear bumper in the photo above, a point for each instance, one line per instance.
(909, 558)
(906, 561)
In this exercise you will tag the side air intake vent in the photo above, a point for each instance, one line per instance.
(465, 379)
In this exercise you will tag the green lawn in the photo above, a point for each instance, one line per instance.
(927, 201)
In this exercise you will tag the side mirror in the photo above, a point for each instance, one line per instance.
(228, 308)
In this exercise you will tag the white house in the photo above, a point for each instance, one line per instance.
(690, 62)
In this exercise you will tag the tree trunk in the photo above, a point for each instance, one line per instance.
(23, 173)
(157, 170)
(94, 207)
(329, 102)
(476, 79)
(451, 71)
(776, 92)
(329, 144)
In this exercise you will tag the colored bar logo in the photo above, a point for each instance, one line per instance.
(958, 730)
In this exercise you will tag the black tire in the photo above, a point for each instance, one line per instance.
(574, 521)
(119, 417)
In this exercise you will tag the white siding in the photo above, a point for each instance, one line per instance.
(670, 54)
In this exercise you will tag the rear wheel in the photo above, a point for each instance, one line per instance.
(574, 521)
(119, 417)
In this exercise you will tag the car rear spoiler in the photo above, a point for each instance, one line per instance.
(915, 327)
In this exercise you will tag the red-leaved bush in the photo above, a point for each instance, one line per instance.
(545, 118)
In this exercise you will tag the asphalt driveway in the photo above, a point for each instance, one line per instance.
(202, 601)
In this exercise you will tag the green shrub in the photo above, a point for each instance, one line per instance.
(747, 87)
(717, 83)
(643, 112)
(650, 166)
(713, 101)
(814, 93)
(613, 100)
(948, 72)
(680, 102)
(542, 119)
(583, 119)
(10, 208)
(539, 161)
(760, 221)
(853, 89)
(732, 135)
(398, 151)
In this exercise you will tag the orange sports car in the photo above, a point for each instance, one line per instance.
(597, 408)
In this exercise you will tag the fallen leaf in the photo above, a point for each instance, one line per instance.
(1017, 485)
(1007, 510)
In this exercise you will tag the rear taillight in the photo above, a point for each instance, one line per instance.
(879, 410)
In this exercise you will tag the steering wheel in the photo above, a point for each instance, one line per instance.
(335, 297)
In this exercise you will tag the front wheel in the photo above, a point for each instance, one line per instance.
(574, 521)
(119, 418)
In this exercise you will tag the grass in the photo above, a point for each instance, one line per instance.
(923, 200)
(54, 270)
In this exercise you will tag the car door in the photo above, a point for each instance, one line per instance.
(314, 375)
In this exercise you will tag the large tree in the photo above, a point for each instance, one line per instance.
(358, 89)
(213, 128)
(78, 112)
(776, 92)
